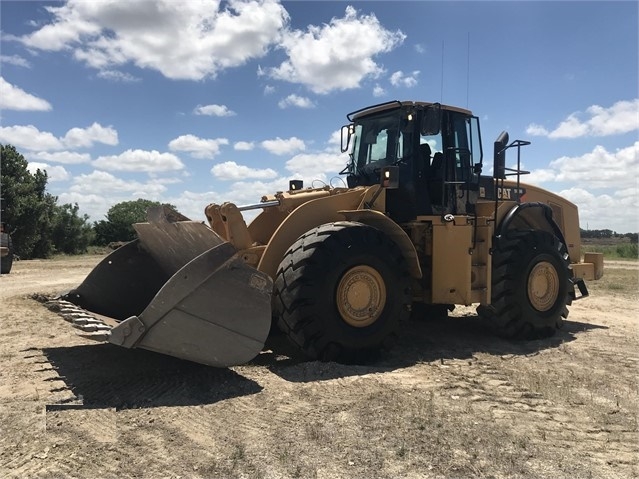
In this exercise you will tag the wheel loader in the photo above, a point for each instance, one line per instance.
(6, 252)
(416, 223)
(6, 245)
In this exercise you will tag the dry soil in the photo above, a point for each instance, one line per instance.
(450, 400)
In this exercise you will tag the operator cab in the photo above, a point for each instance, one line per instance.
(436, 148)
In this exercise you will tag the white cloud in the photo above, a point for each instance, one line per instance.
(322, 165)
(622, 117)
(268, 90)
(334, 142)
(198, 147)
(598, 169)
(96, 192)
(118, 76)
(280, 146)
(612, 196)
(54, 173)
(28, 137)
(595, 209)
(85, 137)
(571, 127)
(213, 110)
(536, 130)
(152, 34)
(192, 204)
(316, 166)
(14, 98)
(297, 101)
(229, 170)
(378, 91)
(338, 55)
(66, 157)
(15, 60)
(244, 146)
(139, 161)
(251, 192)
(400, 79)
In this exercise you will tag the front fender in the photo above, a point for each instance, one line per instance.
(302, 219)
(382, 222)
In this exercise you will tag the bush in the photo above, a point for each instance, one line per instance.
(628, 250)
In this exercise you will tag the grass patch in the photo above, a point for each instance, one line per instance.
(612, 248)
(610, 251)
(617, 280)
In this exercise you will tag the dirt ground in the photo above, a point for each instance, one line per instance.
(449, 401)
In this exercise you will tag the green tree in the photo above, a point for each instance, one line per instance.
(120, 218)
(72, 233)
(29, 212)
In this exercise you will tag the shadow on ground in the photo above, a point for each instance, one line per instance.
(420, 341)
(103, 375)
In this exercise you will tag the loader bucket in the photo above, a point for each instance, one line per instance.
(178, 290)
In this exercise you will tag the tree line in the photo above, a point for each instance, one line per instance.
(40, 227)
(606, 233)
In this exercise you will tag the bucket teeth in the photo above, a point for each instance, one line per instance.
(78, 318)
(101, 336)
(85, 320)
(90, 327)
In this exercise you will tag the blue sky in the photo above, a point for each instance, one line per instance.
(193, 102)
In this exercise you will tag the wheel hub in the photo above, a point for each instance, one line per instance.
(543, 286)
(361, 296)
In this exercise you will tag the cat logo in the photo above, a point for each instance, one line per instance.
(504, 193)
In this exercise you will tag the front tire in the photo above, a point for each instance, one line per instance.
(341, 291)
(531, 286)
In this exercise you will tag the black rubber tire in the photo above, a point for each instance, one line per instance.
(512, 313)
(7, 261)
(306, 287)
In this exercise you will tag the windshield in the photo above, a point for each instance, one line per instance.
(377, 142)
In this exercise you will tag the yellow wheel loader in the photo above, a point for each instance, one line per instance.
(338, 269)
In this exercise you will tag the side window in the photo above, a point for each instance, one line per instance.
(472, 128)
(462, 148)
(378, 146)
(381, 142)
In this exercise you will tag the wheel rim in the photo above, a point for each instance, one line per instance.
(361, 296)
(543, 286)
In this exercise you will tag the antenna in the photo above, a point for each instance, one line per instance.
(441, 99)
(467, 69)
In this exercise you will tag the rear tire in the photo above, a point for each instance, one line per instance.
(341, 291)
(530, 286)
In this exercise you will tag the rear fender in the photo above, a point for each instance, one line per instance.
(529, 216)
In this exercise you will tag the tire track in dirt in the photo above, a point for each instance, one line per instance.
(450, 405)
(556, 422)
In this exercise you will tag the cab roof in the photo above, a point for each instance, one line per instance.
(391, 105)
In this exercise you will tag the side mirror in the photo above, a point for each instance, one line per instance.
(499, 161)
(347, 131)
